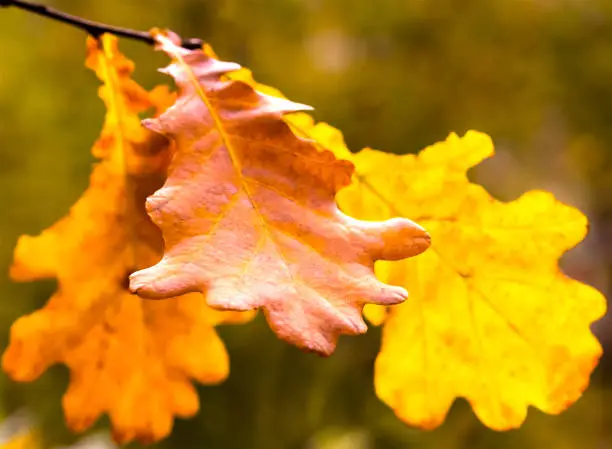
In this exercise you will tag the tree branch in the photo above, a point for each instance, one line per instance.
(95, 29)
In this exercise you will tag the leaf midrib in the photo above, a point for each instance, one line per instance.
(113, 84)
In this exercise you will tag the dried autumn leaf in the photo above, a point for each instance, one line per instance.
(130, 358)
(491, 317)
(248, 213)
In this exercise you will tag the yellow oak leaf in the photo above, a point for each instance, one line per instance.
(248, 213)
(491, 316)
(128, 357)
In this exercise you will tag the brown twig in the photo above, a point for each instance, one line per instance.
(95, 29)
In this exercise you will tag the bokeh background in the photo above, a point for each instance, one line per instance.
(395, 75)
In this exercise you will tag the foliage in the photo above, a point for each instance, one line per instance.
(248, 218)
(399, 91)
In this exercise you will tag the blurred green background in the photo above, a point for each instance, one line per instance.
(395, 75)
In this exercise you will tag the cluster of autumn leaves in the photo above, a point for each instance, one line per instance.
(232, 199)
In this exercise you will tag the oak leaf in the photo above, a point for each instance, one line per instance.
(491, 316)
(131, 358)
(248, 213)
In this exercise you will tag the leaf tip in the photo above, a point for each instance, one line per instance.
(397, 238)
(160, 282)
(152, 124)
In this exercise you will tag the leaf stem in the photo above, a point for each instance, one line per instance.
(95, 29)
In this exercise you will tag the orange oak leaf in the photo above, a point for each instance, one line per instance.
(248, 213)
(491, 316)
(131, 358)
